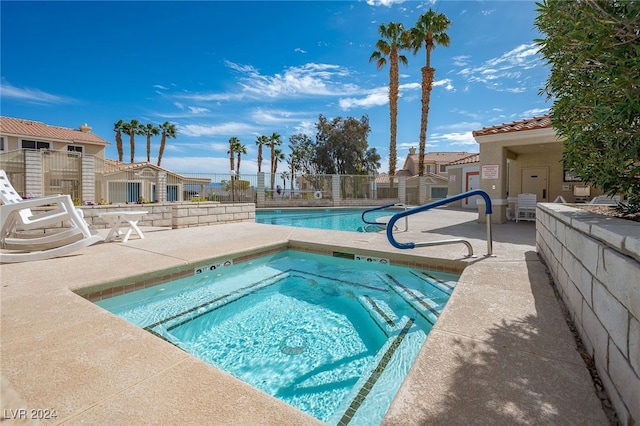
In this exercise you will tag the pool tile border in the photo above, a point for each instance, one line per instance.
(112, 289)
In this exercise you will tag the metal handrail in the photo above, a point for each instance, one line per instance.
(438, 203)
(406, 222)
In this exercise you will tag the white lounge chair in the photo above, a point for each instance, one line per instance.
(16, 217)
(526, 207)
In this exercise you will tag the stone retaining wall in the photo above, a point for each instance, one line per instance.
(595, 263)
(176, 215)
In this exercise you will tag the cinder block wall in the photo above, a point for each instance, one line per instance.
(595, 263)
(176, 215)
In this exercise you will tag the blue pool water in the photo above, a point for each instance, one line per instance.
(328, 335)
(337, 219)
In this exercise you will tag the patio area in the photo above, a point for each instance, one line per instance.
(501, 353)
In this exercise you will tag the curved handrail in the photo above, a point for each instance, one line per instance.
(373, 210)
(438, 203)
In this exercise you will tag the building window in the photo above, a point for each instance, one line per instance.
(437, 193)
(133, 192)
(35, 145)
(428, 167)
(75, 148)
(2, 147)
(172, 193)
(443, 168)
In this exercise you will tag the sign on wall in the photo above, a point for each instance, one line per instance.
(491, 171)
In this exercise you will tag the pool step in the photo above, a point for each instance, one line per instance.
(382, 314)
(426, 306)
(434, 282)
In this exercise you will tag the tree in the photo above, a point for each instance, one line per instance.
(430, 29)
(150, 130)
(260, 142)
(274, 141)
(118, 127)
(394, 39)
(341, 147)
(132, 128)
(303, 150)
(234, 142)
(593, 48)
(168, 131)
(240, 149)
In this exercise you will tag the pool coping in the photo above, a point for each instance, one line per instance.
(62, 352)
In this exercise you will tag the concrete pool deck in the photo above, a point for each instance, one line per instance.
(500, 353)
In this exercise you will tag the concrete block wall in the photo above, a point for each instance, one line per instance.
(595, 263)
(176, 215)
(189, 215)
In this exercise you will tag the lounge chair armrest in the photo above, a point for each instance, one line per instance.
(40, 202)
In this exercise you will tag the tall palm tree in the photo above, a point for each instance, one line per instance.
(394, 39)
(430, 29)
(233, 143)
(274, 141)
(261, 141)
(168, 131)
(239, 149)
(133, 128)
(150, 130)
(294, 163)
(284, 175)
(118, 127)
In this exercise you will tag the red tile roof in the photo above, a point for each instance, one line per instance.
(475, 158)
(440, 157)
(534, 123)
(36, 129)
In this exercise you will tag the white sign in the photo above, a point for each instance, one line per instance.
(491, 171)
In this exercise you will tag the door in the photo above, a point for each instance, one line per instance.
(472, 182)
(534, 181)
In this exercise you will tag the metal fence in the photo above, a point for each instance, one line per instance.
(61, 172)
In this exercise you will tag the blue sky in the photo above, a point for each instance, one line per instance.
(219, 69)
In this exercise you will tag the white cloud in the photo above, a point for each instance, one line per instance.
(277, 116)
(225, 129)
(160, 86)
(31, 95)
(376, 97)
(453, 138)
(536, 112)
(198, 110)
(496, 73)
(446, 83)
(299, 50)
(387, 3)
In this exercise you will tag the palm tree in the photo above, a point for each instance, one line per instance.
(430, 29)
(394, 39)
(294, 162)
(133, 128)
(233, 144)
(168, 131)
(118, 127)
(240, 149)
(261, 141)
(284, 175)
(150, 130)
(274, 140)
(278, 155)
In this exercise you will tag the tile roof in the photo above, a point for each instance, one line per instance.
(542, 122)
(440, 157)
(36, 129)
(114, 166)
(474, 158)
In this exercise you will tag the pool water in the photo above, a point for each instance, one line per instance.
(337, 219)
(330, 336)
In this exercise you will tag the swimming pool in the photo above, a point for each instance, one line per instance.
(333, 337)
(337, 219)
